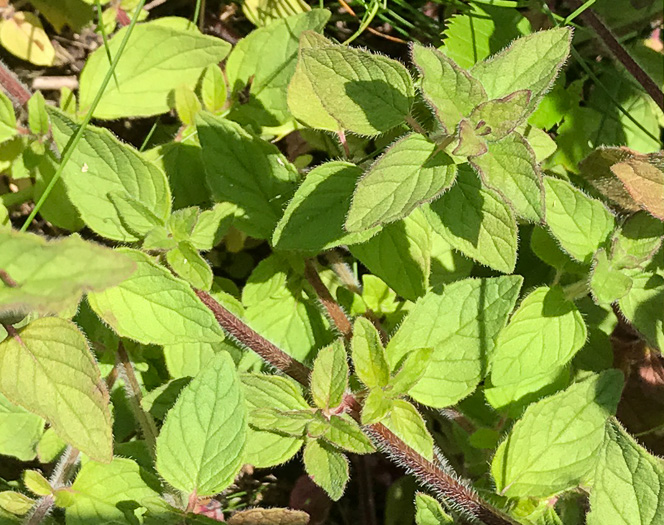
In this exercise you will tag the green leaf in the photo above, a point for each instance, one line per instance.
(429, 512)
(266, 59)
(100, 165)
(200, 448)
(409, 173)
(37, 116)
(531, 62)
(211, 226)
(160, 400)
(544, 333)
(643, 306)
(607, 283)
(188, 264)
(365, 93)
(376, 407)
(451, 91)
(213, 89)
(460, 323)
(368, 355)
(50, 446)
(477, 222)
(157, 59)
(187, 105)
(409, 425)
(470, 144)
(20, 430)
(329, 378)
(509, 167)
(36, 483)
(48, 369)
(136, 218)
(414, 366)
(51, 276)
(496, 118)
(266, 449)
(7, 118)
(400, 255)
(628, 483)
(638, 240)
(546, 247)
(327, 467)
(555, 445)
(287, 423)
(246, 171)
(153, 306)
(447, 265)
(314, 218)
(482, 31)
(579, 223)
(345, 433)
(188, 359)
(15, 503)
(101, 493)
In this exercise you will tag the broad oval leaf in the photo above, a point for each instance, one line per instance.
(200, 448)
(407, 423)
(460, 323)
(579, 223)
(101, 165)
(153, 306)
(477, 222)
(365, 93)
(555, 445)
(47, 368)
(23, 35)
(314, 218)
(158, 58)
(409, 173)
(100, 492)
(51, 276)
(327, 467)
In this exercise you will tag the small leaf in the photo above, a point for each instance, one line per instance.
(213, 89)
(345, 433)
(495, 119)
(100, 165)
(287, 423)
(23, 36)
(200, 447)
(376, 407)
(638, 240)
(266, 60)
(188, 264)
(581, 224)
(36, 483)
(477, 222)
(211, 226)
(269, 516)
(329, 378)
(509, 167)
(50, 446)
(157, 59)
(327, 467)
(259, 188)
(187, 105)
(414, 366)
(544, 333)
(451, 91)
(643, 177)
(460, 323)
(555, 445)
(15, 503)
(629, 482)
(429, 512)
(531, 62)
(49, 370)
(607, 283)
(400, 255)
(7, 119)
(136, 218)
(409, 173)
(407, 423)
(314, 218)
(153, 306)
(470, 144)
(37, 116)
(100, 492)
(365, 93)
(51, 276)
(368, 354)
(20, 430)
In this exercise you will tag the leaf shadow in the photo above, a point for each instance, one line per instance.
(383, 105)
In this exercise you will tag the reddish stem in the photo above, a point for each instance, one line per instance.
(338, 316)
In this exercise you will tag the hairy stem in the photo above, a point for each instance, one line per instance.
(605, 34)
(443, 484)
(15, 89)
(338, 316)
(133, 393)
